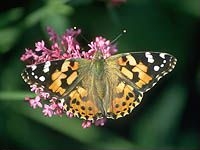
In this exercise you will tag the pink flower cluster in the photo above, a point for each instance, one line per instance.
(62, 47)
(117, 2)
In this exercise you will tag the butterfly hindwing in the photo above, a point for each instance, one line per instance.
(125, 98)
(80, 104)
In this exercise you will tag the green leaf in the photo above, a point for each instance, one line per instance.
(191, 6)
(158, 125)
(8, 38)
(60, 23)
(53, 9)
(58, 7)
(10, 16)
(14, 96)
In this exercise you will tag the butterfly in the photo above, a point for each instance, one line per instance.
(98, 87)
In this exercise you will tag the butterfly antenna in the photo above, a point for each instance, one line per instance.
(113, 41)
(83, 37)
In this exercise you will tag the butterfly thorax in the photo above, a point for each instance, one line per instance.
(98, 64)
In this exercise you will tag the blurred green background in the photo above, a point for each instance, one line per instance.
(168, 116)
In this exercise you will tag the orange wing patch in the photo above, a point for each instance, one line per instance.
(63, 77)
(142, 75)
(80, 106)
(125, 101)
(137, 72)
(127, 73)
(56, 85)
(72, 77)
(122, 61)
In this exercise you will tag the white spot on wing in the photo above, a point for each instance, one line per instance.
(150, 60)
(149, 57)
(162, 55)
(45, 70)
(46, 67)
(33, 67)
(147, 54)
(156, 68)
(48, 63)
(42, 78)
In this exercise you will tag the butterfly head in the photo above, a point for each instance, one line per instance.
(98, 55)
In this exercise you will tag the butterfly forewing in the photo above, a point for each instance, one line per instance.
(144, 69)
(58, 77)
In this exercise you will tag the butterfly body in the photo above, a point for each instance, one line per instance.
(98, 87)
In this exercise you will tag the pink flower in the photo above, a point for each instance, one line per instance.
(34, 102)
(117, 2)
(69, 114)
(102, 45)
(100, 122)
(48, 111)
(44, 95)
(62, 47)
(86, 124)
(39, 46)
(29, 56)
(53, 35)
(36, 89)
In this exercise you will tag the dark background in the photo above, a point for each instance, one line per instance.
(168, 116)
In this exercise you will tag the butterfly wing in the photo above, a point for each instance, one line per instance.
(57, 77)
(69, 80)
(123, 100)
(144, 69)
(133, 74)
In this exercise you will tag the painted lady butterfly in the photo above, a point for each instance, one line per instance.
(96, 88)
